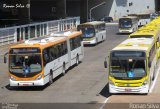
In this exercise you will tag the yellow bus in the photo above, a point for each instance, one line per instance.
(93, 32)
(37, 62)
(128, 24)
(151, 30)
(132, 66)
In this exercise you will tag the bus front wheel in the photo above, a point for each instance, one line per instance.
(50, 78)
(77, 59)
(64, 70)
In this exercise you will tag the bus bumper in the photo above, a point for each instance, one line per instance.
(89, 42)
(142, 89)
(27, 83)
(125, 31)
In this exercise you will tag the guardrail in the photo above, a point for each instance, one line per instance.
(16, 34)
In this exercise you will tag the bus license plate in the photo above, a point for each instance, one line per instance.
(128, 90)
(25, 84)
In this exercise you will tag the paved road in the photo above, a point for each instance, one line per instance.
(86, 83)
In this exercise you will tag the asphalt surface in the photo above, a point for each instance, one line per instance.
(83, 84)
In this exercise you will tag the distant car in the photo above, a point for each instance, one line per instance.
(107, 19)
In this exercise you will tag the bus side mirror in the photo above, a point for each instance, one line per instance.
(5, 58)
(105, 63)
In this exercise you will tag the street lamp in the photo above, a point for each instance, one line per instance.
(90, 11)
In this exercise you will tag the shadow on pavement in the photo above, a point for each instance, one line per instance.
(105, 91)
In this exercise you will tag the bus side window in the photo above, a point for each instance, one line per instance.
(65, 47)
(59, 50)
(71, 43)
(45, 57)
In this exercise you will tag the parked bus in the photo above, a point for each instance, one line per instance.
(143, 19)
(132, 66)
(150, 30)
(38, 61)
(93, 32)
(128, 24)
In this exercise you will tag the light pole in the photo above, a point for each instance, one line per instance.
(87, 10)
(90, 11)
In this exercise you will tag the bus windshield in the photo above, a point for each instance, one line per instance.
(125, 23)
(127, 68)
(25, 65)
(88, 32)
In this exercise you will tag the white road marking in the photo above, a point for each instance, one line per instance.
(104, 103)
(154, 82)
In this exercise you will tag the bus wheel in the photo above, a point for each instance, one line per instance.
(64, 70)
(77, 59)
(50, 78)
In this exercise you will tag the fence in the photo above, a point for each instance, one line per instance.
(21, 33)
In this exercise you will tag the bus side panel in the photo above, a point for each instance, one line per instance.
(104, 35)
(153, 68)
(74, 53)
(69, 53)
(81, 52)
(55, 67)
(100, 36)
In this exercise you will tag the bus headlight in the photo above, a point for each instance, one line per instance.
(111, 82)
(145, 82)
(39, 77)
(12, 78)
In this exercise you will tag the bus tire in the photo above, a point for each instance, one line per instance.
(64, 69)
(50, 78)
(77, 59)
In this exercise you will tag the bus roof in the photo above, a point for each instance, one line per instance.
(43, 42)
(93, 23)
(146, 30)
(40, 42)
(135, 44)
(69, 34)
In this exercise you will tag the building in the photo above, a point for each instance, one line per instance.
(26, 11)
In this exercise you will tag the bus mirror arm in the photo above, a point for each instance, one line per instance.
(149, 64)
(5, 59)
(158, 44)
(105, 63)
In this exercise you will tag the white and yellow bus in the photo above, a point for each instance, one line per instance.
(93, 32)
(143, 18)
(128, 24)
(38, 61)
(132, 66)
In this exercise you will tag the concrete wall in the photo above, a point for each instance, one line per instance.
(119, 8)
